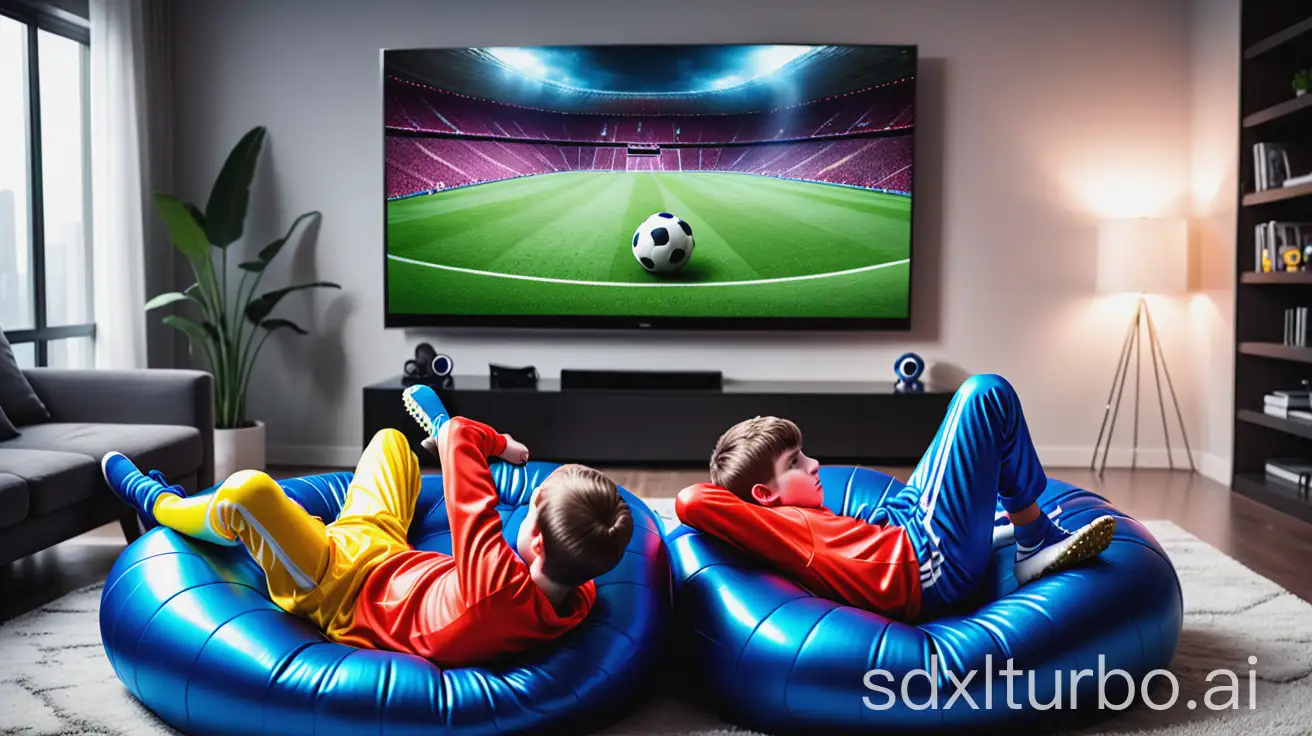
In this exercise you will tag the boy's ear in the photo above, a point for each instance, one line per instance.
(536, 545)
(764, 495)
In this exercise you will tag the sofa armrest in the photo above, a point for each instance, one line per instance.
(152, 396)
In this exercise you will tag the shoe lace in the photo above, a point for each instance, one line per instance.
(159, 478)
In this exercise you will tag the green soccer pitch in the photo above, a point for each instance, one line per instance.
(560, 244)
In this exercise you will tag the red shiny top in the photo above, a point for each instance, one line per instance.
(836, 557)
(477, 603)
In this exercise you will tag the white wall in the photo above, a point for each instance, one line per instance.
(1036, 118)
(1214, 142)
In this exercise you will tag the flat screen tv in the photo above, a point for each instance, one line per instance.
(672, 186)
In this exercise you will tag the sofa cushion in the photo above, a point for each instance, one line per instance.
(17, 398)
(7, 429)
(54, 479)
(13, 499)
(175, 450)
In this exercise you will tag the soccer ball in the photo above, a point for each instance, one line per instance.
(663, 243)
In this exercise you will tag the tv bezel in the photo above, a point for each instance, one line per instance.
(394, 320)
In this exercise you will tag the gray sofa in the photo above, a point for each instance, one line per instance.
(51, 487)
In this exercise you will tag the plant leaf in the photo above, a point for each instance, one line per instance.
(225, 213)
(184, 231)
(261, 306)
(192, 330)
(163, 300)
(196, 214)
(269, 251)
(274, 324)
(252, 266)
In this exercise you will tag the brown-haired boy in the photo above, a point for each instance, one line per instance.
(926, 548)
(362, 583)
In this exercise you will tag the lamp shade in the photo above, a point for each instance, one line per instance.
(1143, 255)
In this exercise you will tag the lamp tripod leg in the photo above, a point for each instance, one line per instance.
(1161, 406)
(1118, 379)
(1157, 346)
(1138, 362)
(1115, 378)
(1111, 431)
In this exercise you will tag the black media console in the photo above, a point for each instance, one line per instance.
(843, 421)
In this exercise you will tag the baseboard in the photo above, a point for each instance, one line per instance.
(316, 456)
(1216, 468)
(1209, 465)
(1118, 457)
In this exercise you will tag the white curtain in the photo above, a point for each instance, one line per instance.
(128, 159)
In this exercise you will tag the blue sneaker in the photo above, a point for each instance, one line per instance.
(422, 403)
(1059, 549)
(137, 489)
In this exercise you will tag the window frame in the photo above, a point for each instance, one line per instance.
(40, 16)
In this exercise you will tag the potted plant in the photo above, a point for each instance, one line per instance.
(231, 327)
(1301, 81)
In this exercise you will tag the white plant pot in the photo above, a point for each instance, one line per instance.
(1300, 92)
(238, 449)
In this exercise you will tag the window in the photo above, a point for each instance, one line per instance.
(45, 186)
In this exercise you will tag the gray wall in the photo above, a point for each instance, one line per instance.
(1036, 119)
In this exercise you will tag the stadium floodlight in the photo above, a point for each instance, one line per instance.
(770, 59)
(763, 62)
(522, 60)
(753, 64)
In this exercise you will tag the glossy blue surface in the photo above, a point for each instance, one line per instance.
(190, 630)
(769, 655)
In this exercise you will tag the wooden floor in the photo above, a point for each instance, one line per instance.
(1273, 544)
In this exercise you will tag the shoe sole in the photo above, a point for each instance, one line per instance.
(416, 412)
(1087, 543)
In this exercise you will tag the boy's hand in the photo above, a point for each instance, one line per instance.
(515, 452)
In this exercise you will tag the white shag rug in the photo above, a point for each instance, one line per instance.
(55, 679)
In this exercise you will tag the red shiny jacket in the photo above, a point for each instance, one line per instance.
(477, 603)
(837, 557)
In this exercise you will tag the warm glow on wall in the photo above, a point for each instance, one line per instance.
(1125, 191)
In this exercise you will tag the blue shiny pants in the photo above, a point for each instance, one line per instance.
(982, 454)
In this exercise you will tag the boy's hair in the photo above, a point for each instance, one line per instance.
(585, 523)
(745, 455)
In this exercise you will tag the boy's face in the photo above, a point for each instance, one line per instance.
(796, 482)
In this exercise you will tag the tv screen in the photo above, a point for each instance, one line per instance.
(681, 186)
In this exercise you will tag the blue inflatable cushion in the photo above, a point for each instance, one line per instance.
(769, 655)
(191, 632)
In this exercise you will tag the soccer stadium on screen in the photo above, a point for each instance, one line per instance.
(715, 181)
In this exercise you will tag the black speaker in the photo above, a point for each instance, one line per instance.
(428, 366)
(643, 380)
(505, 376)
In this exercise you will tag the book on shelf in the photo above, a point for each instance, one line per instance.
(1275, 163)
(1294, 473)
(1288, 400)
(1270, 165)
(1282, 246)
(1281, 412)
(1296, 327)
(1294, 181)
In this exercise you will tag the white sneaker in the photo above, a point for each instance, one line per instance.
(1061, 549)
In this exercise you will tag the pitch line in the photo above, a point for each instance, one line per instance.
(574, 282)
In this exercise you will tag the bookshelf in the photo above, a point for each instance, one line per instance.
(1276, 41)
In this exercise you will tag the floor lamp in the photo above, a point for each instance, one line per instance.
(1141, 256)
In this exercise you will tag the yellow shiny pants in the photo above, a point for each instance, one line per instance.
(314, 570)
